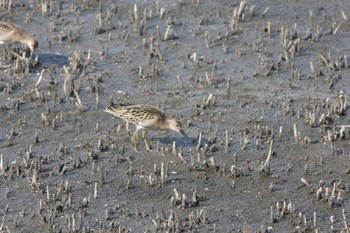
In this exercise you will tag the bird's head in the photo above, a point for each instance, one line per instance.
(176, 126)
(33, 44)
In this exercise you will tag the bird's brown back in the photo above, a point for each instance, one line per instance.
(6, 27)
(137, 113)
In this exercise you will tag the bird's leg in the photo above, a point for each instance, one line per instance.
(135, 139)
(16, 54)
(144, 139)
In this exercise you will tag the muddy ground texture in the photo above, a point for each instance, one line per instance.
(260, 87)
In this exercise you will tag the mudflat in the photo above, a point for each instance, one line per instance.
(260, 87)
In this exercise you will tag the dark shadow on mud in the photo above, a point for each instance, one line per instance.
(180, 141)
(53, 59)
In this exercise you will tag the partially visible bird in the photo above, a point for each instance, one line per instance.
(11, 33)
(145, 117)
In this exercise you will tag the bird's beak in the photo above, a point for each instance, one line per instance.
(183, 133)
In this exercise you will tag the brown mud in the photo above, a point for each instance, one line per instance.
(261, 89)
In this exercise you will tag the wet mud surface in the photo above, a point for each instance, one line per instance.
(260, 87)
